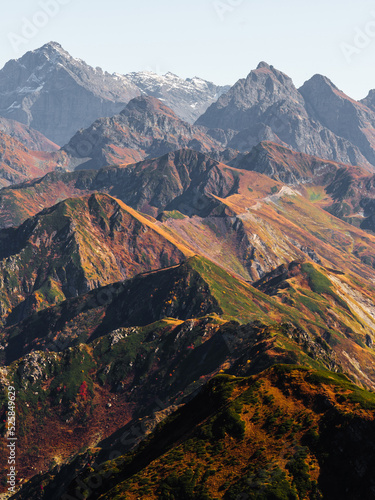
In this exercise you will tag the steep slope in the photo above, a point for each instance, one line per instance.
(76, 246)
(22, 201)
(353, 194)
(193, 289)
(192, 322)
(188, 98)
(369, 100)
(146, 128)
(57, 94)
(265, 223)
(126, 375)
(267, 106)
(184, 180)
(329, 298)
(29, 137)
(288, 432)
(342, 115)
(192, 336)
(18, 163)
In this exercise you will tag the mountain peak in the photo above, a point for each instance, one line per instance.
(169, 74)
(52, 46)
(320, 81)
(265, 65)
(148, 104)
(51, 50)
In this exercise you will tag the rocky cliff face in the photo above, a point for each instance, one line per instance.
(267, 106)
(184, 180)
(344, 116)
(353, 193)
(56, 94)
(146, 128)
(369, 100)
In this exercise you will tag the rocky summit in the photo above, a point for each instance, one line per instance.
(267, 106)
(146, 128)
(79, 93)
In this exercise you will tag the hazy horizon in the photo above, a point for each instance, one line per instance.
(218, 40)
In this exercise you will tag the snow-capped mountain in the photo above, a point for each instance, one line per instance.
(188, 98)
(57, 95)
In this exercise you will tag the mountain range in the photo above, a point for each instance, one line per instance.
(317, 119)
(146, 128)
(187, 284)
(57, 94)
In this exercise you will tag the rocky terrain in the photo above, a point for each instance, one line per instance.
(350, 190)
(146, 128)
(344, 116)
(192, 178)
(284, 433)
(188, 98)
(288, 429)
(57, 94)
(266, 106)
(73, 247)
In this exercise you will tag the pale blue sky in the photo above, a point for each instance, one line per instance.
(217, 40)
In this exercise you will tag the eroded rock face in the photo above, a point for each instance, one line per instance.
(287, 166)
(345, 117)
(32, 368)
(266, 106)
(74, 247)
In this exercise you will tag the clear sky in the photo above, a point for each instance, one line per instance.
(220, 40)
